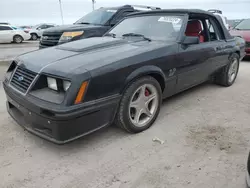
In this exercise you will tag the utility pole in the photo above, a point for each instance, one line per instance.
(93, 4)
(60, 3)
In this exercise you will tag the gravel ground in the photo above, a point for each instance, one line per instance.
(206, 133)
(10, 51)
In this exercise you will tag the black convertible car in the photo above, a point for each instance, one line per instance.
(68, 91)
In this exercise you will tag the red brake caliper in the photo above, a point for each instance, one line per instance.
(146, 92)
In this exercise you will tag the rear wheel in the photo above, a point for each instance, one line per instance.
(140, 105)
(17, 39)
(34, 36)
(228, 74)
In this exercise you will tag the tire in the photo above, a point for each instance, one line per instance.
(18, 39)
(34, 36)
(223, 76)
(126, 115)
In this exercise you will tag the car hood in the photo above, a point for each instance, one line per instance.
(68, 59)
(242, 33)
(72, 27)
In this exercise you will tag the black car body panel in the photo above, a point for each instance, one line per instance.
(109, 64)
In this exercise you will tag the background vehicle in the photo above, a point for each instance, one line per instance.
(4, 23)
(233, 23)
(26, 28)
(37, 31)
(71, 90)
(12, 34)
(243, 30)
(219, 13)
(94, 24)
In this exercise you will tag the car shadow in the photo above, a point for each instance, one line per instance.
(113, 133)
(246, 59)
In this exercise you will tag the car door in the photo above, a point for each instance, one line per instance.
(217, 39)
(193, 64)
(197, 62)
(6, 34)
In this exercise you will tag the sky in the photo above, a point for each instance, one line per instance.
(31, 12)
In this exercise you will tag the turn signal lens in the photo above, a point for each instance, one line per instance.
(81, 93)
(72, 34)
(68, 36)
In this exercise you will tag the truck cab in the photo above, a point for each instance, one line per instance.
(94, 24)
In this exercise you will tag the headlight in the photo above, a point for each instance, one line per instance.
(58, 84)
(68, 36)
(52, 83)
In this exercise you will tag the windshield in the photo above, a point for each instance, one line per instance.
(244, 25)
(97, 17)
(36, 26)
(153, 27)
(15, 28)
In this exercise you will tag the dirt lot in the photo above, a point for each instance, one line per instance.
(206, 132)
(10, 51)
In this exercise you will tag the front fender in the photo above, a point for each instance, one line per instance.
(143, 71)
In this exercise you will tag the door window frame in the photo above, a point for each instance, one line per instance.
(215, 23)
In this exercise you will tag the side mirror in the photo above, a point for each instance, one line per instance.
(188, 40)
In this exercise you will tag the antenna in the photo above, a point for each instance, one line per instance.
(93, 4)
(60, 3)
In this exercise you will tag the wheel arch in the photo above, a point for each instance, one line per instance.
(236, 50)
(149, 70)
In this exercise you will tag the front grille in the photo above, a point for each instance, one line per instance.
(50, 39)
(22, 79)
(247, 44)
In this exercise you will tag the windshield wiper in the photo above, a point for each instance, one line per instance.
(111, 34)
(136, 35)
(87, 23)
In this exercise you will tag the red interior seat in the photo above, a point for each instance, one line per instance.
(194, 28)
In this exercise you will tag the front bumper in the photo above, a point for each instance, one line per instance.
(247, 52)
(26, 37)
(62, 126)
(43, 46)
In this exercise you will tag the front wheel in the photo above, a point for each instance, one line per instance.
(140, 105)
(34, 36)
(228, 74)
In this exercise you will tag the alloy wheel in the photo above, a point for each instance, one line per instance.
(18, 39)
(143, 105)
(232, 72)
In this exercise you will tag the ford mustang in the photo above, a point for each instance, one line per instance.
(65, 92)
